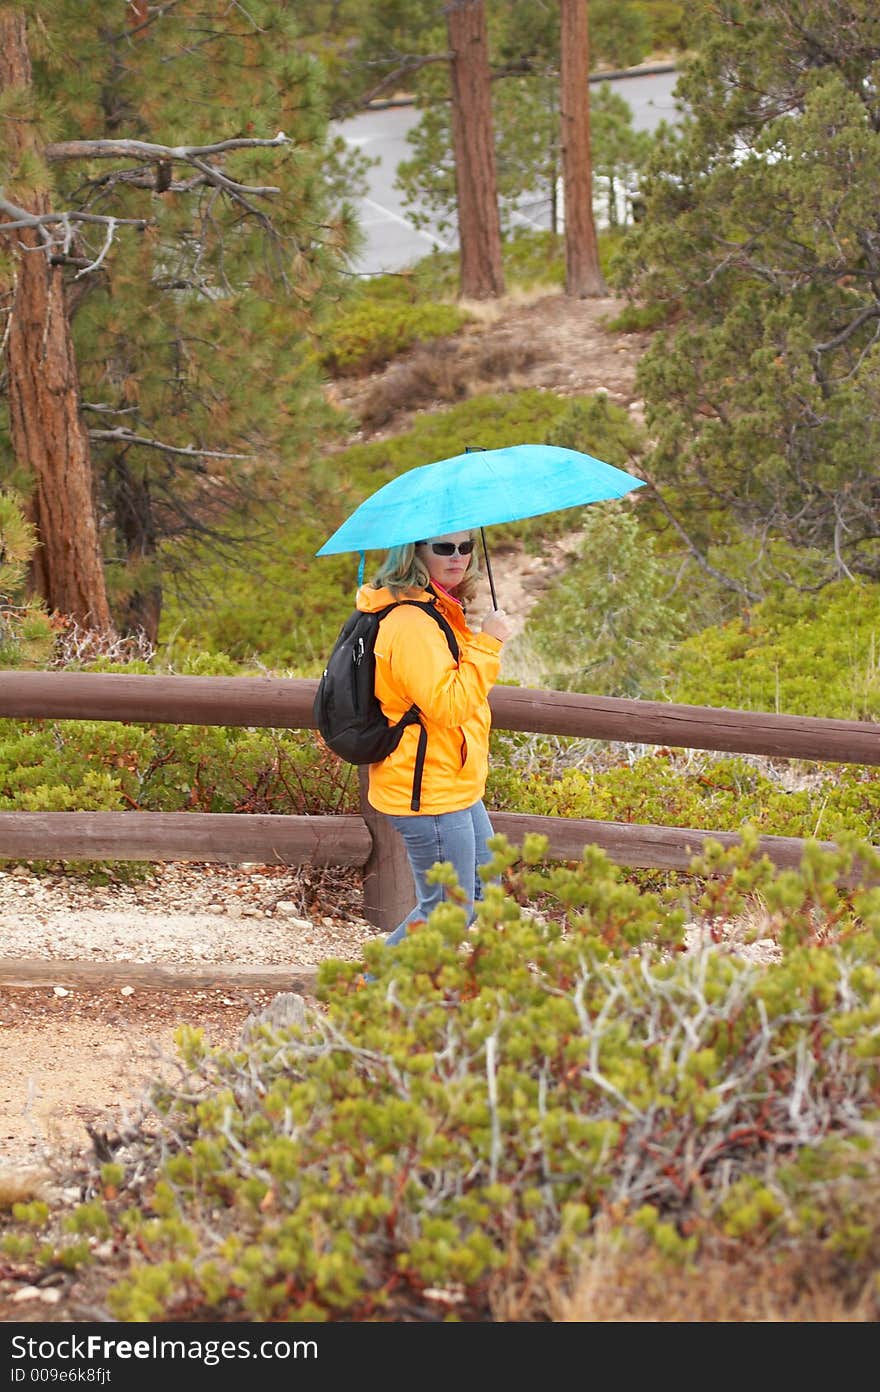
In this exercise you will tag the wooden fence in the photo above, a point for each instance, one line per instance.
(367, 841)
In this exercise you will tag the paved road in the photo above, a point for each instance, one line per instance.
(391, 241)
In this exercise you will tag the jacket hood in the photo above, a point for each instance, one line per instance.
(369, 599)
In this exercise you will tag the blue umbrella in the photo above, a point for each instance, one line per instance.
(475, 489)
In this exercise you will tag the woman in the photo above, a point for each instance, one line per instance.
(414, 666)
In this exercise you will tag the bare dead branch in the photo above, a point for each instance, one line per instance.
(871, 311)
(156, 14)
(108, 242)
(215, 176)
(159, 155)
(128, 437)
(839, 528)
(20, 217)
(144, 149)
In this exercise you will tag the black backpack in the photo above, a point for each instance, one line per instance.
(346, 709)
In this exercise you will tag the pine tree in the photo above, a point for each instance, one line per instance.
(46, 430)
(583, 276)
(533, 119)
(761, 236)
(479, 226)
(186, 148)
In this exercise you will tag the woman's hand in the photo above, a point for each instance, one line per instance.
(497, 625)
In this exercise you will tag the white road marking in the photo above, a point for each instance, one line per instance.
(389, 215)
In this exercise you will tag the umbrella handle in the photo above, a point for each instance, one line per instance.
(489, 569)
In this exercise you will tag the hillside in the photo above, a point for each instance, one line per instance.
(541, 340)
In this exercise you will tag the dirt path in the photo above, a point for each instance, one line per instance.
(73, 1052)
(77, 1061)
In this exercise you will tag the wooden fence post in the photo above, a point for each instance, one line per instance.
(387, 883)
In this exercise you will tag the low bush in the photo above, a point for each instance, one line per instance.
(453, 1138)
(115, 766)
(608, 624)
(370, 334)
(643, 318)
(447, 372)
(797, 653)
(670, 788)
(536, 258)
(27, 631)
(106, 765)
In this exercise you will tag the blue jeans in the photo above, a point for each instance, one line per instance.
(459, 837)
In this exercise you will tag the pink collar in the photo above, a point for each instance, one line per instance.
(448, 593)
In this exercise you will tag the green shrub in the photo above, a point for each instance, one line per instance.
(82, 765)
(608, 625)
(26, 632)
(636, 318)
(463, 1125)
(799, 654)
(112, 766)
(597, 426)
(700, 791)
(534, 259)
(538, 258)
(88, 765)
(370, 334)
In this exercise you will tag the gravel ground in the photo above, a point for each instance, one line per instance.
(75, 1057)
(183, 914)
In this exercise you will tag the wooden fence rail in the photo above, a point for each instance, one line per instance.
(287, 702)
(367, 841)
(226, 837)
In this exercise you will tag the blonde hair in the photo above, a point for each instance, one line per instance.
(403, 573)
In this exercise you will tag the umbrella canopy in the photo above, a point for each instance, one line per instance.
(475, 489)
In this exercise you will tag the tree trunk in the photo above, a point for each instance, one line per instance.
(479, 225)
(48, 436)
(583, 277)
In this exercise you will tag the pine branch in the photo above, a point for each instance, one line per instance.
(404, 69)
(871, 311)
(160, 155)
(214, 176)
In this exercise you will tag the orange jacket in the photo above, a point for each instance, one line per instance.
(414, 666)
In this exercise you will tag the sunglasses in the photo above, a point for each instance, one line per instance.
(449, 548)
